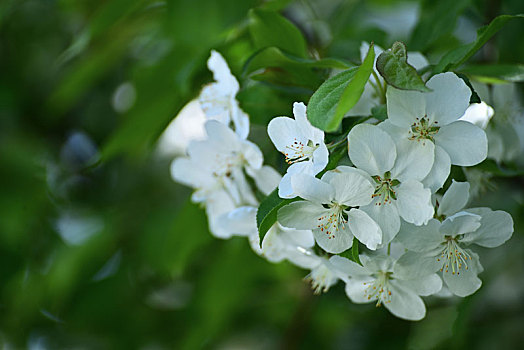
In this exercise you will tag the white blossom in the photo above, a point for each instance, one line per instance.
(444, 246)
(426, 123)
(218, 99)
(378, 281)
(396, 174)
(281, 243)
(218, 162)
(479, 114)
(327, 272)
(330, 210)
(301, 143)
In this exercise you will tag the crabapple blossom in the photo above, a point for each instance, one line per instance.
(396, 176)
(377, 280)
(218, 100)
(218, 162)
(301, 143)
(427, 124)
(444, 246)
(330, 210)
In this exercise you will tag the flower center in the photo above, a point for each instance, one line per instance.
(384, 188)
(298, 151)
(225, 163)
(213, 101)
(453, 257)
(379, 288)
(321, 278)
(333, 221)
(421, 129)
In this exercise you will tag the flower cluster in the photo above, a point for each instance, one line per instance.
(386, 193)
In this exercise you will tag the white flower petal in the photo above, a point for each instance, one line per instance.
(427, 285)
(376, 262)
(405, 303)
(460, 223)
(320, 159)
(190, 173)
(252, 154)
(414, 159)
(283, 133)
(356, 289)
(416, 265)
(266, 178)
(239, 222)
(312, 189)
(272, 247)
(221, 72)
(217, 204)
(455, 198)
(240, 121)
(303, 125)
(420, 238)
(439, 172)
(414, 202)
(386, 216)
(478, 114)
(417, 60)
(281, 243)
(301, 215)
(405, 106)
(351, 189)
(348, 267)
(371, 149)
(496, 227)
(364, 228)
(449, 99)
(466, 281)
(334, 242)
(285, 190)
(465, 143)
(347, 169)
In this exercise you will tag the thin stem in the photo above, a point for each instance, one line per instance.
(382, 89)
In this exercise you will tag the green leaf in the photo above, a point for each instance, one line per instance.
(336, 96)
(322, 105)
(273, 65)
(355, 88)
(352, 254)
(275, 57)
(269, 28)
(458, 56)
(354, 251)
(392, 64)
(379, 112)
(496, 73)
(267, 212)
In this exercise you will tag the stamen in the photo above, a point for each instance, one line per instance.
(453, 257)
(298, 151)
(321, 278)
(332, 222)
(385, 188)
(379, 288)
(422, 130)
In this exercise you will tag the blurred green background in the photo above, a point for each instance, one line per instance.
(100, 249)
